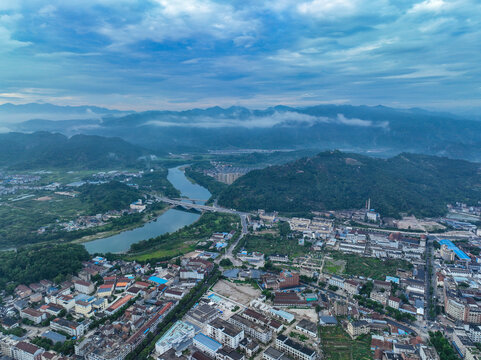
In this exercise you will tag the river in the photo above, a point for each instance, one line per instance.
(169, 221)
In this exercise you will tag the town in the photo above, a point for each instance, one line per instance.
(338, 291)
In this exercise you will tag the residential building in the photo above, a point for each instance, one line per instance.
(26, 351)
(294, 349)
(356, 328)
(84, 287)
(33, 315)
(225, 333)
(69, 327)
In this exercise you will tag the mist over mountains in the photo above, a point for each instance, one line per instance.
(379, 130)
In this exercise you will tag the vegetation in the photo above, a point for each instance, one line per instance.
(370, 267)
(442, 346)
(215, 187)
(183, 240)
(338, 345)
(414, 184)
(34, 263)
(45, 150)
(66, 348)
(109, 196)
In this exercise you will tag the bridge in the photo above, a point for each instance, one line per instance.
(188, 205)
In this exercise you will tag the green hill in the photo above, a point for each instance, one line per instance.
(417, 184)
(47, 150)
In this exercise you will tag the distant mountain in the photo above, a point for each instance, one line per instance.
(42, 150)
(10, 113)
(416, 184)
(372, 130)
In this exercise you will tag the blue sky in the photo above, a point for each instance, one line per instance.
(180, 54)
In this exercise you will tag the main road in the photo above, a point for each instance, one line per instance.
(243, 216)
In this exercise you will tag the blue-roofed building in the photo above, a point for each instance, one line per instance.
(54, 336)
(283, 315)
(231, 273)
(392, 279)
(206, 344)
(459, 253)
(157, 280)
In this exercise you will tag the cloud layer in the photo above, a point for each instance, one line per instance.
(284, 119)
(138, 54)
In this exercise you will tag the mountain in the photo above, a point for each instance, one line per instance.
(416, 184)
(46, 150)
(376, 130)
(10, 113)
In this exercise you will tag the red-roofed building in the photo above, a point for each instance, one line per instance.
(26, 351)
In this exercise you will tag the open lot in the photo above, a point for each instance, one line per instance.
(332, 266)
(337, 345)
(308, 314)
(239, 292)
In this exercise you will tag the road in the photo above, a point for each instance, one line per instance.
(190, 205)
(229, 253)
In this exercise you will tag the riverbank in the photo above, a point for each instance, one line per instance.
(168, 220)
(152, 216)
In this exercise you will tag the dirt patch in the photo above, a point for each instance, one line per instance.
(241, 293)
(309, 314)
(43, 198)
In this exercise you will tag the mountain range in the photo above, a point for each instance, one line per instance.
(421, 185)
(42, 150)
(378, 130)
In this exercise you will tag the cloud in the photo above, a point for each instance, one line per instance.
(186, 19)
(277, 119)
(341, 119)
(158, 54)
(429, 6)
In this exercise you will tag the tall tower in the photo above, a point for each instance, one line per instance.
(369, 204)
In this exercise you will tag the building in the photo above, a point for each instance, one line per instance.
(272, 353)
(336, 281)
(256, 331)
(357, 328)
(307, 327)
(33, 315)
(69, 327)
(394, 302)
(207, 345)
(84, 287)
(294, 349)
(26, 351)
(176, 335)
(225, 333)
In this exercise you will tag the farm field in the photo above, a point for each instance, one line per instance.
(338, 345)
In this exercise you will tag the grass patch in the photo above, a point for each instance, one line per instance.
(370, 267)
(334, 266)
(270, 244)
(185, 239)
(338, 345)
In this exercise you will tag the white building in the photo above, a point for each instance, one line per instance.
(177, 334)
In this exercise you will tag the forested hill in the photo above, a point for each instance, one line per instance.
(42, 150)
(417, 184)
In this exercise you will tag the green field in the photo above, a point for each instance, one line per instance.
(269, 244)
(370, 267)
(185, 239)
(19, 220)
(332, 266)
(338, 345)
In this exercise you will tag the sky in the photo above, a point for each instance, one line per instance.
(180, 54)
